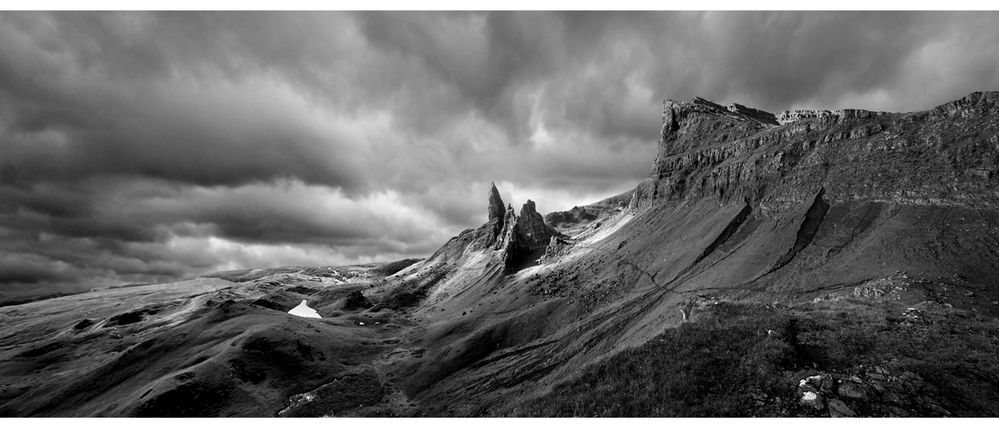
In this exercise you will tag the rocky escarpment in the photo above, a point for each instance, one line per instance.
(745, 207)
(945, 156)
(788, 116)
(739, 207)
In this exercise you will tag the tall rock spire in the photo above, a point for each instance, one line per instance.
(497, 215)
(497, 209)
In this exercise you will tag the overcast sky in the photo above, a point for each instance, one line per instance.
(142, 147)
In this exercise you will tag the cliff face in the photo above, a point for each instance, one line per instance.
(805, 208)
(944, 156)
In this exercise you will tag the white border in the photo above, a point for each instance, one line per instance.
(494, 5)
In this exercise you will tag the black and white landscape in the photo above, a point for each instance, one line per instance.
(499, 214)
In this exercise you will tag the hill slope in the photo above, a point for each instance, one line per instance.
(807, 263)
(741, 206)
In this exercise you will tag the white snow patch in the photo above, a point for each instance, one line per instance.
(303, 310)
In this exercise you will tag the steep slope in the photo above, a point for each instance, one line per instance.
(793, 253)
(741, 205)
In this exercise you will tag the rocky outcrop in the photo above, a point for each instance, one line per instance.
(496, 210)
(788, 116)
(739, 206)
(490, 232)
(525, 241)
(756, 114)
(531, 230)
(517, 241)
(576, 215)
(506, 234)
(484, 237)
(633, 203)
(557, 247)
(945, 156)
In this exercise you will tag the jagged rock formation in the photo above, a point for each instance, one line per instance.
(506, 234)
(517, 241)
(942, 156)
(497, 212)
(741, 205)
(527, 238)
(485, 237)
(531, 230)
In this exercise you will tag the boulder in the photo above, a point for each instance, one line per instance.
(839, 409)
(850, 389)
(812, 399)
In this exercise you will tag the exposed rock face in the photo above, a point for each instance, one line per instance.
(517, 240)
(531, 230)
(506, 235)
(740, 207)
(556, 248)
(496, 209)
(486, 236)
(945, 156)
(789, 116)
(633, 202)
(760, 115)
(573, 216)
(526, 238)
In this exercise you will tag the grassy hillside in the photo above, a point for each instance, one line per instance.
(749, 360)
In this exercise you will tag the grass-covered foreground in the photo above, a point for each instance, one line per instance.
(846, 357)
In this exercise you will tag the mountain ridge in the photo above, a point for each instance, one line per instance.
(739, 206)
(792, 235)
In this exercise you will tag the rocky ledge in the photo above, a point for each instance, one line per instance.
(788, 116)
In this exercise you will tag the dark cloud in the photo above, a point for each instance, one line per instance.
(150, 146)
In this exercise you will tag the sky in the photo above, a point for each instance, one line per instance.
(144, 147)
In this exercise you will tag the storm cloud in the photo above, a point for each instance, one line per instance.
(140, 147)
